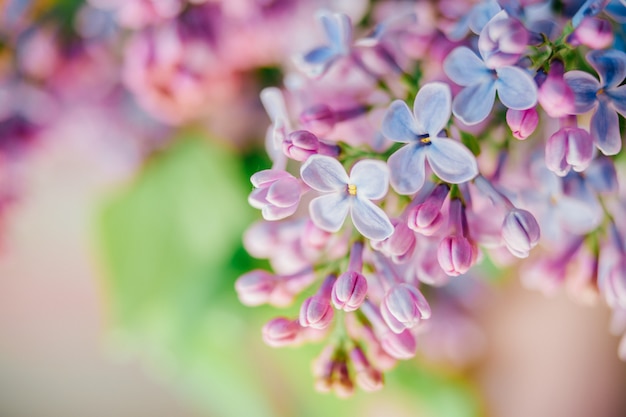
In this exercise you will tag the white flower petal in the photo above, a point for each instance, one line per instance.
(323, 173)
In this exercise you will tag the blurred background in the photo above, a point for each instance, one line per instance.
(128, 133)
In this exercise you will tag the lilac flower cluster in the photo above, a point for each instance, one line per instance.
(511, 143)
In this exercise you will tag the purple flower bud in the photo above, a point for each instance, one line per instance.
(520, 232)
(349, 291)
(594, 33)
(255, 287)
(316, 312)
(403, 307)
(522, 122)
(456, 255)
(569, 147)
(277, 193)
(319, 119)
(555, 95)
(281, 331)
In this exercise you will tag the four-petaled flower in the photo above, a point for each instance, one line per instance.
(368, 180)
(338, 30)
(450, 160)
(606, 96)
(483, 77)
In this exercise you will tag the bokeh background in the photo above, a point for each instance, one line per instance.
(123, 206)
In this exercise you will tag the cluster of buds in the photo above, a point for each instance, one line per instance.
(399, 129)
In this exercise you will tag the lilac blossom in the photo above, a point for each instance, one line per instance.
(338, 30)
(555, 95)
(520, 232)
(368, 181)
(277, 193)
(569, 148)
(522, 122)
(606, 97)
(421, 130)
(492, 72)
(403, 307)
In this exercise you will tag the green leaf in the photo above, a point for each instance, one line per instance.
(172, 249)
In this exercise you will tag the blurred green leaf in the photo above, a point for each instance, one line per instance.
(171, 244)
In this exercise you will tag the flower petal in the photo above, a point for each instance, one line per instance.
(398, 123)
(605, 129)
(584, 86)
(329, 211)
(610, 66)
(618, 98)
(319, 56)
(371, 179)
(407, 167)
(338, 28)
(432, 108)
(464, 67)
(473, 104)
(451, 160)
(323, 173)
(516, 88)
(273, 213)
(370, 220)
(268, 176)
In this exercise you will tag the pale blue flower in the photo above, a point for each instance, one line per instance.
(422, 131)
(368, 180)
(338, 30)
(490, 73)
(606, 97)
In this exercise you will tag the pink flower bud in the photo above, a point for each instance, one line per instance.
(316, 312)
(569, 147)
(456, 255)
(426, 218)
(281, 332)
(522, 122)
(594, 33)
(300, 144)
(399, 246)
(277, 193)
(349, 291)
(520, 232)
(555, 95)
(255, 287)
(403, 307)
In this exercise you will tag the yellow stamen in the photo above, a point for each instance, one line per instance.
(425, 140)
(351, 189)
(600, 91)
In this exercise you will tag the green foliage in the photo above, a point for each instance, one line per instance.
(171, 244)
